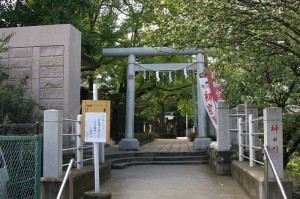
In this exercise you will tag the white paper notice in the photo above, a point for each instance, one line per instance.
(95, 127)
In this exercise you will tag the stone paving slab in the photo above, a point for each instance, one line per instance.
(165, 145)
(172, 182)
(181, 144)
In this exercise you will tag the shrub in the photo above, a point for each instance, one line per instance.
(192, 136)
(143, 137)
(13, 108)
(293, 168)
(167, 136)
(212, 137)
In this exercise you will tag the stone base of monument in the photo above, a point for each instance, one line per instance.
(220, 161)
(201, 143)
(129, 144)
(93, 195)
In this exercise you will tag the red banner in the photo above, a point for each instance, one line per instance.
(208, 101)
(214, 83)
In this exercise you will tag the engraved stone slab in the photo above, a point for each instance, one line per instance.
(51, 72)
(6, 71)
(51, 104)
(52, 51)
(52, 93)
(20, 52)
(18, 73)
(20, 62)
(52, 61)
(16, 82)
(3, 63)
(52, 82)
(4, 55)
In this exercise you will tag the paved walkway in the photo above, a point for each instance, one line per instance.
(170, 181)
(165, 145)
(158, 145)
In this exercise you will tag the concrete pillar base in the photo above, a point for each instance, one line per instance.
(129, 144)
(93, 195)
(220, 161)
(201, 143)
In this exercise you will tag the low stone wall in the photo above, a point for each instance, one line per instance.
(252, 180)
(220, 161)
(83, 180)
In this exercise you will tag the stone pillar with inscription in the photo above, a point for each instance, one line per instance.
(273, 139)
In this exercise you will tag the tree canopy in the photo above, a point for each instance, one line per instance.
(255, 45)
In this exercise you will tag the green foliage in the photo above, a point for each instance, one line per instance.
(111, 23)
(13, 108)
(192, 136)
(167, 136)
(144, 137)
(4, 39)
(293, 168)
(255, 48)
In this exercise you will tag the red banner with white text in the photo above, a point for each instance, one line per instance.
(208, 100)
(214, 84)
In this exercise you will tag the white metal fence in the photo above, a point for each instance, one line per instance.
(77, 148)
(54, 146)
(270, 136)
(251, 136)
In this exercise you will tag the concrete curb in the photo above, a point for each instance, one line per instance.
(93, 195)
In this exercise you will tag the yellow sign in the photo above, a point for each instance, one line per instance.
(96, 106)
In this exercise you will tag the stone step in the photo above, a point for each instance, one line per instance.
(127, 164)
(154, 154)
(126, 159)
(158, 158)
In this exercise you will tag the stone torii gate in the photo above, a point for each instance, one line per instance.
(130, 143)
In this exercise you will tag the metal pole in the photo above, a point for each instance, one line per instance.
(130, 98)
(36, 128)
(251, 151)
(266, 177)
(275, 172)
(68, 172)
(79, 150)
(240, 136)
(202, 119)
(96, 150)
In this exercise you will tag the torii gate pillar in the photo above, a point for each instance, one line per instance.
(202, 142)
(130, 143)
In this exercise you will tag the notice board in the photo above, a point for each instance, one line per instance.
(96, 106)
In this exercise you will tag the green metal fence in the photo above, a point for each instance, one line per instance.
(20, 166)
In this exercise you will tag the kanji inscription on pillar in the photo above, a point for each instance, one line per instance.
(275, 132)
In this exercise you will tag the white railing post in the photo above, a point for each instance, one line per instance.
(251, 109)
(251, 149)
(79, 150)
(273, 139)
(97, 149)
(240, 136)
(52, 139)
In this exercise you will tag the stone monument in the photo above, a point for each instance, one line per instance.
(50, 56)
